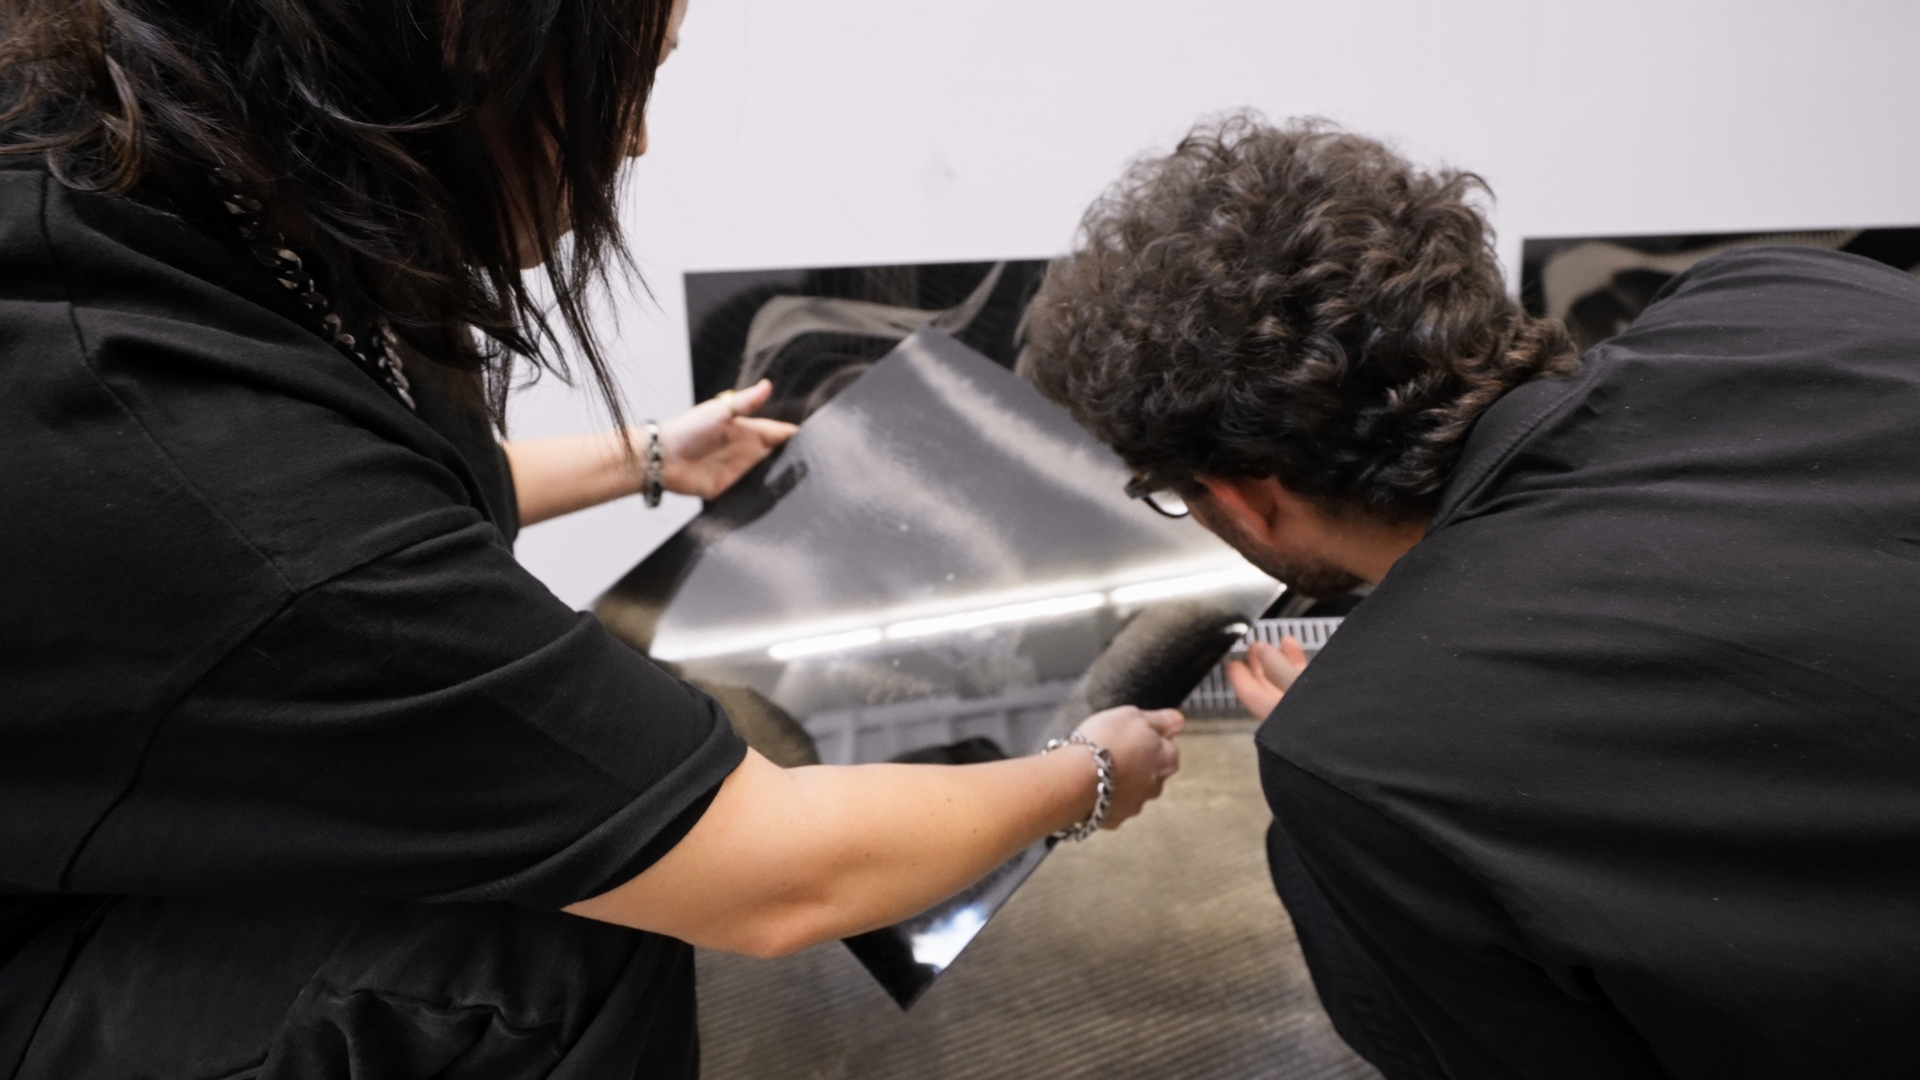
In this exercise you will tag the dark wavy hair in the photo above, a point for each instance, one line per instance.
(1292, 302)
(398, 140)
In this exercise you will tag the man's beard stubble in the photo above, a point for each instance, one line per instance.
(1314, 578)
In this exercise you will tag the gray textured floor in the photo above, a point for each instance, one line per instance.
(1157, 951)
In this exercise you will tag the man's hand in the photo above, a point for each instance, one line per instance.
(1262, 679)
(713, 444)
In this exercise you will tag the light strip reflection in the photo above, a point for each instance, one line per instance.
(968, 620)
(1183, 586)
(790, 650)
(1029, 611)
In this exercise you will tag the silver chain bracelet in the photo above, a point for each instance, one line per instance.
(1102, 790)
(656, 479)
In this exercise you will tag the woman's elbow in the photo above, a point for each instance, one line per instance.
(774, 935)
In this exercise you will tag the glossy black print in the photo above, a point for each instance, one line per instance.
(939, 567)
(1598, 285)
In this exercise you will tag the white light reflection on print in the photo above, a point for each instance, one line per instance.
(993, 616)
(937, 945)
(1065, 598)
(1167, 588)
(790, 650)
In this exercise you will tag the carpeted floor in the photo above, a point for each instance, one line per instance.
(1157, 951)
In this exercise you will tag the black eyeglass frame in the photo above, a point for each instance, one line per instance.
(1165, 501)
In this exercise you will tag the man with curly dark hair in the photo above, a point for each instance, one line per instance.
(1612, 773)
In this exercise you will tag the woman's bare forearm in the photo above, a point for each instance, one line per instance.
(703, 452)
(557, 476)
(787, 858)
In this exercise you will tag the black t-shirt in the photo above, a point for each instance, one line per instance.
(264, 632)
(1617, 773)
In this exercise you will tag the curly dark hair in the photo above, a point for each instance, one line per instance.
(391, 138)
(1294, 302)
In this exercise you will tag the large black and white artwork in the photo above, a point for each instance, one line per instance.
(940, 567)
(814, 331)
(1600, 284)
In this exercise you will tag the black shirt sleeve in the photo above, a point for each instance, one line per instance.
(266, 635)
(431, 724)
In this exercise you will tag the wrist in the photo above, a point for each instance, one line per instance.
(653, 463)
(1098, 799)
(626, 468)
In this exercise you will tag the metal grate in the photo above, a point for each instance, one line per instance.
(1214, 697)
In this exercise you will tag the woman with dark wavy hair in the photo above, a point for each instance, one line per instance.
(300, 773)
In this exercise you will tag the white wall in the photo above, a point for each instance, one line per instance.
(791, 133)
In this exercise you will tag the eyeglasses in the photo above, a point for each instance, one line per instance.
(1166, 501)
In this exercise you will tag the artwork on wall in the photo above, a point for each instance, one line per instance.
(813, 331)
(1599, 285)
(941, 567)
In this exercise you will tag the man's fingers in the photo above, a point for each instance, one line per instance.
(1250, 671)
(1258, 695)
(1290, 648)
(1168, 722)
(1277, 665)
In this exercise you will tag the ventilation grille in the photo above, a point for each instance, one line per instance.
(1214, 696)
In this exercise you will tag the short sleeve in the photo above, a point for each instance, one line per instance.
(432, 724)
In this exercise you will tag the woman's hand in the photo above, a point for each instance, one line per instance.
(1263, 678)
(1144, 755)
(704, 450)
(713, 444)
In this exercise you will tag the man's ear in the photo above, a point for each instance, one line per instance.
(1251, 502)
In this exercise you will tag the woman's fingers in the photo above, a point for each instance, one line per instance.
(1168, 722)
(713, 444)
(748, 401)
(717, 421)
(770, 432)
(1144, 754)
(1169, 762)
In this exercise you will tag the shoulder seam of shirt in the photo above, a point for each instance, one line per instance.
(153, 737)
(85, 358)
(293, 596)
(580, 617)
(86, 362)
(1484, 474)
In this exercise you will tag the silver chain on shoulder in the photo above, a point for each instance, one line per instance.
(1102, 789)
(378, 354)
